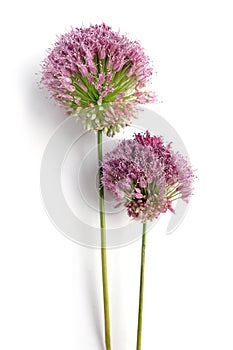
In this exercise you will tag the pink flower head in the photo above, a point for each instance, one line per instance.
(146, 176)
(97, 66)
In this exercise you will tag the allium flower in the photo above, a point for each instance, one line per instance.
(146, 176)
(178, 173)
(95, 66)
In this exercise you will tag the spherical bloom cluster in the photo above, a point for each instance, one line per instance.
(146, 175)
(94, 66)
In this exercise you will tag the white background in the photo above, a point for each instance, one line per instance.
(50, 293)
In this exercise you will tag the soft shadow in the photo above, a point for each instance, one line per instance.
(41, 110)
(91, 284)
(95, 303)
(45, 116)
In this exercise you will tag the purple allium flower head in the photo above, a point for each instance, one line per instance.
(93, 66)
(146, 176)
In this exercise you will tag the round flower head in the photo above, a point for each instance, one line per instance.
(146, 176)
(95, 66)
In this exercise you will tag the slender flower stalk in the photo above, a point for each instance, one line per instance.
(146, 176)
(103, 247)
(141, 293)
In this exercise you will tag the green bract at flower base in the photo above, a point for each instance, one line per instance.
(109, 117)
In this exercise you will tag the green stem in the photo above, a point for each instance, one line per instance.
(140, 311)
(103, 247)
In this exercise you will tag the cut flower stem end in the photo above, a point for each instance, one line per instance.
(141, 293)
